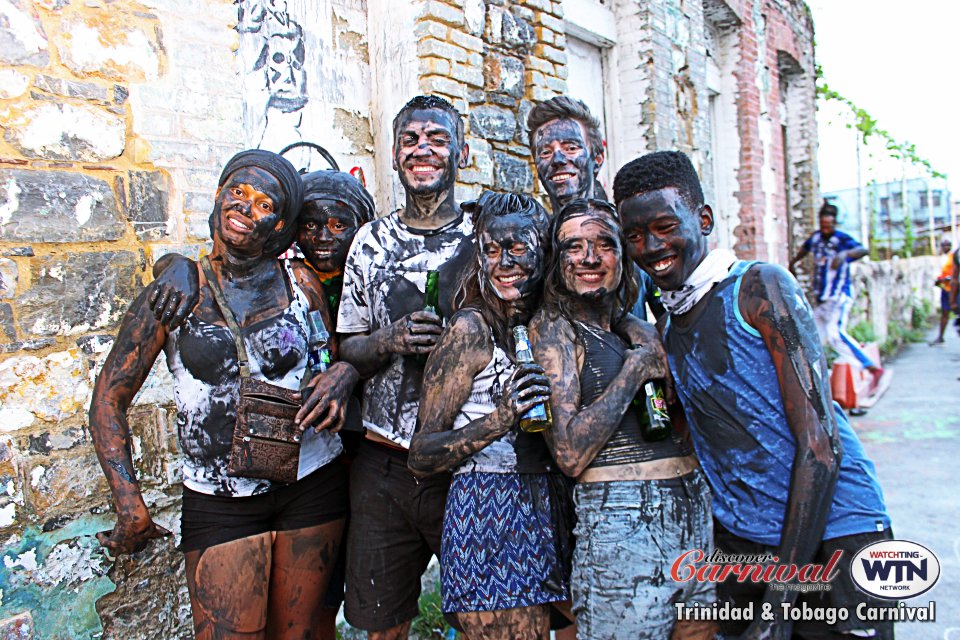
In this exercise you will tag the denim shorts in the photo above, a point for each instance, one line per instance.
(628, 535)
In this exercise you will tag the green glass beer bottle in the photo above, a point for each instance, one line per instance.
(432, 293)
(318, 350)
(538, 418)
(431, 303)
(652, 413)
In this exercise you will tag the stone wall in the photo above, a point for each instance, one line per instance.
(886, 291)
(118, 114)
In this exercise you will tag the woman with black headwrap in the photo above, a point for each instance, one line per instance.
(335, 206)
(258, 553)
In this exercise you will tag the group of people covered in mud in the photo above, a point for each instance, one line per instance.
(575, 527)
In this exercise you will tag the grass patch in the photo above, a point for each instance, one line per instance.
(863, 333)
(431, 623)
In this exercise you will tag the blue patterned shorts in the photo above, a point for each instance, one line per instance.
(500, 543)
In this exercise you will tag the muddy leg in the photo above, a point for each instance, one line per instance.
(228, 586)
(521, 623)
(303, 560)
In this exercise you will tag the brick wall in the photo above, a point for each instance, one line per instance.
(492, 60)
(117, 116)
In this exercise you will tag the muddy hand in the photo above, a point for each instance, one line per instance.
(327, 397)
(416, 333)
(526, 388)
(129, 536)
(175, 292)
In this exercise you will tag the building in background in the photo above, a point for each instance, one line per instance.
(882, 222)
(118, 115)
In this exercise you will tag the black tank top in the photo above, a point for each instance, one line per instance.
(603, 358)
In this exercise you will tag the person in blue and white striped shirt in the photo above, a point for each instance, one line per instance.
(833, 251)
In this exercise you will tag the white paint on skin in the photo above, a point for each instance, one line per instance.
(11, 203)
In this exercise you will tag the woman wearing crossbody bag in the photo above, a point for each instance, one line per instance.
(258, 553)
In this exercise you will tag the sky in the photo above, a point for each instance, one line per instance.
(898, 62)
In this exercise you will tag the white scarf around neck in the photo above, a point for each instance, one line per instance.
(712, 270)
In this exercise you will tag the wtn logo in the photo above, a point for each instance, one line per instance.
(895, 569)
(903, 570)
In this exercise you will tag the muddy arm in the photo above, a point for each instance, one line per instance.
(137, 346)
(578, 435)
(463, 351)
(771, 301)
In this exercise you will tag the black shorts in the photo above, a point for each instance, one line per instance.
(843, 593)
(396, 524)
(207, 520)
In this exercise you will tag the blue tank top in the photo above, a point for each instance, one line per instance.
(728, 386)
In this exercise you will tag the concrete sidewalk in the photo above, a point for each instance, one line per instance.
(913, 436)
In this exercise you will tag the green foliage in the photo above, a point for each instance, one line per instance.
(830, 354)
(867, 126)
(900, 333)
(863, 333)
(920, 313)
(431, 623)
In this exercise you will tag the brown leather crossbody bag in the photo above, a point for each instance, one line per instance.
(266, 442)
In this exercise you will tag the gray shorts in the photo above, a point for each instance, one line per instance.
(628, 535)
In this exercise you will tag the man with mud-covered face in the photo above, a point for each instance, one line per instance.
(567, 147)
(789, 476)
(396, 521)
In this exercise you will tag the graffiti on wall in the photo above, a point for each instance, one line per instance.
(305, 78)
(273, 49)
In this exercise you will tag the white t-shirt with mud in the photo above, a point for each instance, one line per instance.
(385, 279)
(203, 360)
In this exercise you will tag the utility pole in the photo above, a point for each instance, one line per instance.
(933, 242)
(863, 219)
(907, 219)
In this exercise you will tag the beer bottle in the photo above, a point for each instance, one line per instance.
(431, 303)
(538, 418)
(652, 413)
(432, 295)
(318, 351)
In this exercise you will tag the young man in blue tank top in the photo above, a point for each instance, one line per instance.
(788, 473)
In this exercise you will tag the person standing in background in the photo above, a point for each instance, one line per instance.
(945, 282)
(833, 251)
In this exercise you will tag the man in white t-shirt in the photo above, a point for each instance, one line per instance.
(396, 521)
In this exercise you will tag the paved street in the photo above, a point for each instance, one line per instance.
(913, 436)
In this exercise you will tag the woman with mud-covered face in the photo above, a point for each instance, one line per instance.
(502, 552)
(639, 504)
(258, 554)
